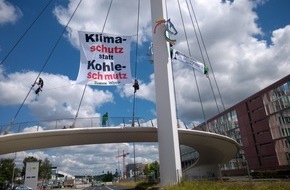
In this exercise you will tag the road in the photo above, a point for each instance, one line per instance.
(106, 187)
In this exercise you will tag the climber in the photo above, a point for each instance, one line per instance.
(40, 86)
(136, 86)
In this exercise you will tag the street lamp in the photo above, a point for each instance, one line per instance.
(134, 162)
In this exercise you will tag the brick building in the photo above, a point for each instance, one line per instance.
(261, 124)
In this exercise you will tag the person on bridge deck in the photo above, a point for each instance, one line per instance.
(206, 71)
(40, 86)
(105, 119)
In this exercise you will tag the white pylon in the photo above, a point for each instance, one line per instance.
(169, 152)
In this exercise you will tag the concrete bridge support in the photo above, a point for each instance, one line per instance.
(169, 153)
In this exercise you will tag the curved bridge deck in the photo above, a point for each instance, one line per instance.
(213, 148)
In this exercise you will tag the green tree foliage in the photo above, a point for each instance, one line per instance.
(17, 174)
(44, 170)
(2, 181)
(108, 177)
(7, 166)
(6, 170)
(147, 169)
(152, 168)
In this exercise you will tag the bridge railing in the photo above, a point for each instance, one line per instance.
(65, 123)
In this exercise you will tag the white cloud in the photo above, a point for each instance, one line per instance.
(90, 16)
(59, 98)
(8, 12)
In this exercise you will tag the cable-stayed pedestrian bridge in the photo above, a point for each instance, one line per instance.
(213, 149)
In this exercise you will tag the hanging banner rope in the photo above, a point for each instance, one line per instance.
(169, 28)
(198, 66)
(105, 59)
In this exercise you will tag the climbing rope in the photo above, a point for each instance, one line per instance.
(185, 33)
(204, 47)
(44, 65)
(83, 94)
(201, 52)
(173, 77)
(207, 55)
(136, 84)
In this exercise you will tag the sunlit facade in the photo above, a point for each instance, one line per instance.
(261, 124)
(277, 103)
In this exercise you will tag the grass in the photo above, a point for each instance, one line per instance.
(129, 184)
(141, 185)
(219, 185)
(212, 185)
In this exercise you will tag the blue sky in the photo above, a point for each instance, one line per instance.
(247, 42)
(34, 49)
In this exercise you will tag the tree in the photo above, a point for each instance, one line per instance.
(108, 177)
(6, 170)
(45, 170)
(152, 170)
(17, 173)
(147, 169)
(154, 167)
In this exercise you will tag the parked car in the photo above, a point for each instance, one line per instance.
(98, 184)
(23, 188)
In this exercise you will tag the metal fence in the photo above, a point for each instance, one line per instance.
(65, 123)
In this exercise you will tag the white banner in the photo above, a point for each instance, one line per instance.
(104, 59)
(177, 55)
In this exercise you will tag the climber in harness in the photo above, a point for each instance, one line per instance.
(136, 86)
(171, 50)
(40, 86)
